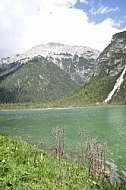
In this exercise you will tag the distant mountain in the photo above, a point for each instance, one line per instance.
(77, 61)
(45, 72)
(79, 75)
(108, 84)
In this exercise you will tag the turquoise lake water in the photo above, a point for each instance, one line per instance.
(106, 123)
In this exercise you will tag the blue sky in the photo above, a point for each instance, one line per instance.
(27, 23)
(99, 10)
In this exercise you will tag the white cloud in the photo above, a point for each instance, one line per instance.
(24, 24)
(106, 10)
(103, 10)
(84, 1)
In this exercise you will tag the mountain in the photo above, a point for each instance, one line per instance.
(77, 61)
(108, 84)
(45, 72)
(77, 75)
(113, 61)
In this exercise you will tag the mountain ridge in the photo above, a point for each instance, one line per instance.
(86, 74)
(36, 81)
(51, 49)
(109, 77)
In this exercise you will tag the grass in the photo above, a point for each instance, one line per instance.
(27, 167)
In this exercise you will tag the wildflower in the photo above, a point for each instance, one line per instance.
(107, 173)
(41, 156)
(3, 161)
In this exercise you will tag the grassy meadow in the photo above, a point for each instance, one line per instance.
(28, 167)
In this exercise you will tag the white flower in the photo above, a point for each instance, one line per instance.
(3, 161)
(41, 156)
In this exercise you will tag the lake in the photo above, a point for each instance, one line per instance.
(106, 123)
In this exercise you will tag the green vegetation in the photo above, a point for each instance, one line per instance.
(40, 80)
(27, 167)
(95, 92)
(59, 104)
(37, 81)
(120, 35)
(110, 63)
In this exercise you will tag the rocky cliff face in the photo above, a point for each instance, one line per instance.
(77, 61)
(45, 72)
(108, 84)
(113, 58)
(113, 61)
(55, 50)
(48, 72)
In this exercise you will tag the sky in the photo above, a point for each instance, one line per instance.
(27, 23)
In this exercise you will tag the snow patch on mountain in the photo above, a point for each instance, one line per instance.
(54, 50)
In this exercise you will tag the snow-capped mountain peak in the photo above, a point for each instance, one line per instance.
(52, 49)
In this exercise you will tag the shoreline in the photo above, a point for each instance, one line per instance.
(21, 107)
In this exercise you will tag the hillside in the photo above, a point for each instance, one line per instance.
(45, 73)
(108, 84)
(93, 77)
(36, 81)
(25, 166)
